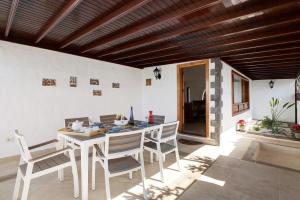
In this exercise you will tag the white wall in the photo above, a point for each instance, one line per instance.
(161, 96)
(229, 121)
(284, 90)
(39, 111)
(195, 79)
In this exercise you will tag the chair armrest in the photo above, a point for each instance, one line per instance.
(42, 144)
(49, 155)
(151, 139)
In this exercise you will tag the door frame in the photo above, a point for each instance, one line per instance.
(180, 92)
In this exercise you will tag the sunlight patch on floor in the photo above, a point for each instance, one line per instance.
(211, 180)
(176, 182)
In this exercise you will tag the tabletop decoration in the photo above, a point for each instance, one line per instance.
(120, 120)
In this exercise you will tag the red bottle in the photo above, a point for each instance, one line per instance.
(150, 118)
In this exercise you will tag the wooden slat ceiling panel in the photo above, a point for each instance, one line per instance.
(143, 14)
(85, 12)
(160, 28)
(121, 23)
(32, 15)
(259, 38)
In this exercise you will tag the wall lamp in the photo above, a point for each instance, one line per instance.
(157, 73)
(271, 84)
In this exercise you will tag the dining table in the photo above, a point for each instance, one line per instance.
(85, 142)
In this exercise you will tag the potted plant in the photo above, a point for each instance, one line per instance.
(241, 125)
(273, 123)
(296, 130)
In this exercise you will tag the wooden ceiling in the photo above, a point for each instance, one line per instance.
(260, 38)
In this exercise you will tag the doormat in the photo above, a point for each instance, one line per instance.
(189, 142)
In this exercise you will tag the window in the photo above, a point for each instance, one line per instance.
(240, 93)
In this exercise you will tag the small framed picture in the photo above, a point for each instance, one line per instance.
(97, 93)
(73, 81)
(115, 85)
(94, 81)
(148, 82)
(48, 82)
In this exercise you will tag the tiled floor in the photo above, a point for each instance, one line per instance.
(235, 179)
(228, 178)
(193, 162)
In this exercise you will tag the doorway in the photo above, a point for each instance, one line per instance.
(193, 98)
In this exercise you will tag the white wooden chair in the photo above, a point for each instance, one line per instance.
(31, 168)
(162, 146)
(159, 119)
(68, 123)
(108, 119)
(153, 133)
(118, 157)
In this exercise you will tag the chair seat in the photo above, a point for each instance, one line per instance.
(122, 164)
(46, 164)
(165, 147)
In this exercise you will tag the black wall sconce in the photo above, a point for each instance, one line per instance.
(157, 73)
(271, 84)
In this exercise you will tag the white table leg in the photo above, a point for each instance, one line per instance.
(60, 145)
(84, 172)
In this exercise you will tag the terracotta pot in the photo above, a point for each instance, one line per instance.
(241, 127)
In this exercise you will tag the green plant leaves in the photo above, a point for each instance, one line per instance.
(273, 123)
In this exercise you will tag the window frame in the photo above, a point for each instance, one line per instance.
(244, 106)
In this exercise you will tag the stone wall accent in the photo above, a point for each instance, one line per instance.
(215, 99)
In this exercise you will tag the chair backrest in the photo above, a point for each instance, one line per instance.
(168, 131)
(159, 119)
(23, 147)
(108, 119)
(121, 144)
(85, 121)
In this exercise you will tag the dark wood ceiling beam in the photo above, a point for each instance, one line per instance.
(172, 59)
(269, 77)
(246, 9)
(264, 62)
(224, 49)
(280, 73)
(184, 57)
(227, 45)
(104, 20)
(295, 58)
(57, 18)
(265, 56)
(267, 64)
(256, 24)
(169, 15)
(296, 67)
(268, 50)
(11, 16)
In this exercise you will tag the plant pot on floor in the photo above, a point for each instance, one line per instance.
(296, 130)
(296, 133)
